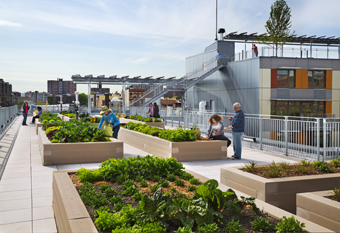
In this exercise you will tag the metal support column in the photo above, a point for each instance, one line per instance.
(245, 50)
(286, 134)
(89, 99)
(261, 132)
(324, 139)
(124, 100)
(318, 137)
(311, 50)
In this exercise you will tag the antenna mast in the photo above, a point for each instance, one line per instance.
(216, 21)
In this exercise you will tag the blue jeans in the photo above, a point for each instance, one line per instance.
(237, 143)
(115, 131)
(25, 118)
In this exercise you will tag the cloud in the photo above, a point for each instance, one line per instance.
(142, 60)
(9, 24)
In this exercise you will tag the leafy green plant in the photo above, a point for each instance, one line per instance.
(144, 184)
(186, 176)
(284, 166)
(101, 209)
(110, 193)
(322, 167)
(130, 191)
(114, 200)
(336, 193)
(139, 178)
(272, 170)
(289, 225)
(171, 177)
(301, 168)
(234, 226)
(149, 227)
(127, 184)
(156, 178)
(208, 228)
(103, 187)
(336, 162)
(91, 197)
(137, 196)
(164, 183)
(173, 190)
(88, 175)
(195, 181)
(262, 224)
(154, 188)
(118, 207)
(186, 229)
(307, 163)
(179, 182)
(250, 166)
(197, 132)
(191, 188)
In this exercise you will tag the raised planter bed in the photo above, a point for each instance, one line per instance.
(71, 214)
(82, 152)
(37, 125)
(280, 192)
(152, 124)
(315, 207)
(181, 151)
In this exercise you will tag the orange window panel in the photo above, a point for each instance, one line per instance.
(298, 78)
(329, 79)
(273, 78)
(328, 107)
(304, 79)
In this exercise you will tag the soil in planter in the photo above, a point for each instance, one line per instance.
(290, 171)
(247, 214)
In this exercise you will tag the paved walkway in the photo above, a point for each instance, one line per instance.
(26, 185)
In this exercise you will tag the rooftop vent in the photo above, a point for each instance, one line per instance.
(221, 31)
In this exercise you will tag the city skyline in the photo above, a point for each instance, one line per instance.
(46, 40)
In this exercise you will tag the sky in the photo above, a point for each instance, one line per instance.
(44, 40)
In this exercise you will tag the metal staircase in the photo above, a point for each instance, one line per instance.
(183, 84)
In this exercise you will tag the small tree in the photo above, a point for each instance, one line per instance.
(83, 99)
(278, 26)
(50, 100)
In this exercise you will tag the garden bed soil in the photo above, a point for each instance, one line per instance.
(181, 151)
(291, 171)
(247, 214)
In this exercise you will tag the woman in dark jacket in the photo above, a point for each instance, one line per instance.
(156, 111)
(25, 109)
(216, 127)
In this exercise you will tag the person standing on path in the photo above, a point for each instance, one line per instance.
(110, 118)
(25, 109)
(237, 129)
(150, 112)
(156, 111)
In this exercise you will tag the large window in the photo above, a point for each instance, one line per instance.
(286, 78)
(297, 108)
(316, 79)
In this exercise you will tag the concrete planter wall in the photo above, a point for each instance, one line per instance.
(37, 125)
(81, 152)
(181, 151)
(152, 124)
(71, 215)
(318, 209)
(280, 192)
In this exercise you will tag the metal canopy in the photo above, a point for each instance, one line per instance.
(78, 79)
(304, 39)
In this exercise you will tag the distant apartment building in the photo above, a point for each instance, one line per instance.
(6, 97)
(39, 96)
(28, 94)
(60, 87)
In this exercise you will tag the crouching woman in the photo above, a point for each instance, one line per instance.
(216, 127)
(110, 119)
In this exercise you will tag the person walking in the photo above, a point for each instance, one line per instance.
(237, 129)
(216, 129)
(255, 50)
(218, 57)
(111, 119)
(25, 109)
(150, 112)
(156, 111)
(36, 116)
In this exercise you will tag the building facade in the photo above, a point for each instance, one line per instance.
(60, 87)
(39, 97)
(6, 96)
(287, 86)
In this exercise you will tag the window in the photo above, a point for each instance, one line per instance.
(286, 78)
(316, 79)
(297, 108)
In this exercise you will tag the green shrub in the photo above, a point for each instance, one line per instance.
(336, 193)
(126, 184)
(144, 184)
(130, 191)
(164, 183)
(186, 176)
(208, 228)
(54, 141)
(262, 224)
(301, 168)
(118, 207)
(156, 178)
(137, 196)
(284, 165)
(250, 166)
(191, 188)
(91, 197)
(322, 167)
(195, 181)
(173, 190)
(306, 163)
(272, 170)
(88, 175)
(139, 178)
(186, 229)
(154, 188)
(179, 182)
(101, 209)
(336, 162)
(103, 187)
(110, 193)
(116, 200)
(171, 177)
(234, 226)
(289, 225)
(149, 227)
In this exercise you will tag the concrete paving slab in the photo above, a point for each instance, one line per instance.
(44, 226)
(15, 187)
(15, 216)
(21, 227)
(42, 201)
(16, 204)
(44, 192)
(45, 212)
(4, 196)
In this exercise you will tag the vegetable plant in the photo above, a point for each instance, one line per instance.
(262, 224)
(144, 184)
(195, 181)
(234, 226)
(164, 183)
(179, 182)
(208, 228)
(171, 177)
(289, 225)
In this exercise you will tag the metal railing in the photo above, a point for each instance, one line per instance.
(310, 138)
(7, 115)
